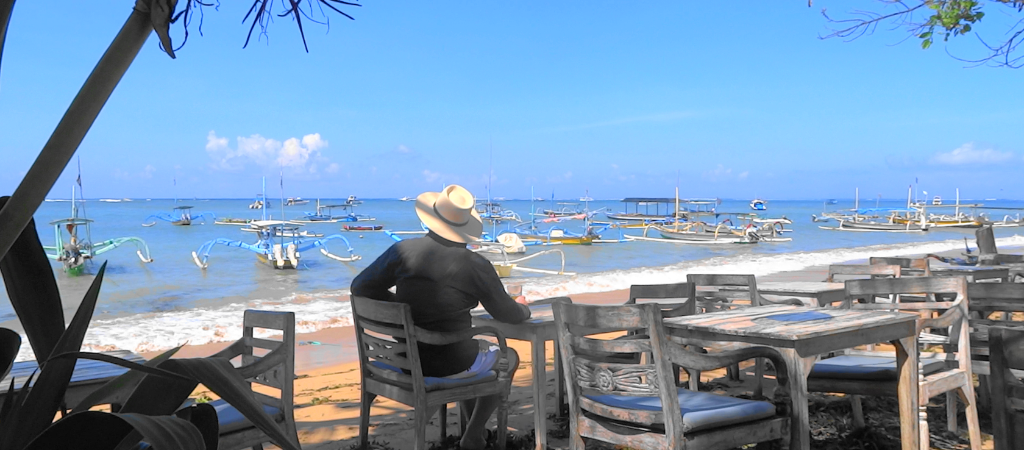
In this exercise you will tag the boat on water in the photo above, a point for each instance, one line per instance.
(327, 214)
(179, 216)
(296, 201)
(73, 244)
(362, 227)
(232, 221)
(936, 200)
(407, 199)
(496, 252)
(257, 226)
(648, 203)
(279, 244)
(494, 213)
(260, 203)
(699, 233)
(758, 205)
(562, 209)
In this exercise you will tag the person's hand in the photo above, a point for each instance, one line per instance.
(522, 300)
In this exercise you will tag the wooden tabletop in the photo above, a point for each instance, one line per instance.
(801, 287)
(86, 372)
(810, 331)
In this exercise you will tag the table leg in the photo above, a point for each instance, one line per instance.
(539, 398)
(907, 392)
(798, 368)
(559, 383)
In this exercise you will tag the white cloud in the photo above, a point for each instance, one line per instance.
(743, 175)
(431, 177)
(403, 149)
(333, 168)
(297, 154)
(968, 154)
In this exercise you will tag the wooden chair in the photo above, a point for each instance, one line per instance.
(988, 253)
(861, 270)
(389, 365)
(874, 373)
(1006, 352)
(275, 360)
(913, 264)
(676, 291)
(626, 403)
(992, 304)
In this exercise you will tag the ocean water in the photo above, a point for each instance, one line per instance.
(170, 301)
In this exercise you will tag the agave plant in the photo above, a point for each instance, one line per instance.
(152, 393)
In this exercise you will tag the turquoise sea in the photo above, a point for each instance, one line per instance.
(171, 300)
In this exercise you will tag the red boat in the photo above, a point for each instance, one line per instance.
(362, 227)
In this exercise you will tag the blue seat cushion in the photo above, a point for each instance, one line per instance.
(848, 367)
(481, 371)
(701, 410)
(231, 420)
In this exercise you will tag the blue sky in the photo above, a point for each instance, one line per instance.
(740, 99)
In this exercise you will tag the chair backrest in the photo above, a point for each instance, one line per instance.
(986, 240)
(904, 263)
(713, 299)
(673, 291)
(953, 314)
(992, 305)
(862, 270)
(280, 376)
(1006, 347)
(588, 372)
(385, 334)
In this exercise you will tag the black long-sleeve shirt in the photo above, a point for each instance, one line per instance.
(442, 281)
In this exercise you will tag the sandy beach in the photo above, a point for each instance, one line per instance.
(327, 392)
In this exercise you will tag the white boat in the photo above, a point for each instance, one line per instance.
(407, 199)
(936, 200)
(758, 205)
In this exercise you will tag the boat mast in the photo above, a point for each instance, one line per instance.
(957, 211)
(263, 207)
(856, 203)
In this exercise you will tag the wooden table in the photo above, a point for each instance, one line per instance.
(973, 273)
(824, 293)
(87, 377)
(537, 330)
(801, 342)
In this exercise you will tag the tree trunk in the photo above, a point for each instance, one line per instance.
(72, 127)
(6, 6)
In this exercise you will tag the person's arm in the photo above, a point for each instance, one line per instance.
(376, 280)
(492, 295)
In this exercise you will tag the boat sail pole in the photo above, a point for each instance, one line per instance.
(263, 207)
(856, 203)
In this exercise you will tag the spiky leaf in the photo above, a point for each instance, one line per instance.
(98, 430)
(118, 389)
(10, 343)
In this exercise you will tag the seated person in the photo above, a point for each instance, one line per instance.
(442, 281)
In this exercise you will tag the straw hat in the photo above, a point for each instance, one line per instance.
(450, 213)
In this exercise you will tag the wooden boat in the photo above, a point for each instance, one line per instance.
(78, 247)
(232, 221)
(279, 244)
(647, 215)
(373, 228)
(326, 214)
(179, 216)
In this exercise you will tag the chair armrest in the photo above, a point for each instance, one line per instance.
(451, 337)
(550, 300)
(943, 321)
(703, 362)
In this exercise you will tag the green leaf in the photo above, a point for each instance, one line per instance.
(223, 379)
(33, 290)
(10, 343)
(926, 43)
(925, 35)
(121, 387)
(46, 396)
(102, 431)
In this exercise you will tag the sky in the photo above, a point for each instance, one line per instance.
(612, 99)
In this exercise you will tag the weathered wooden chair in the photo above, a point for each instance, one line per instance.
(992, 304)
(1006, 353)
(389, 365)
(628, 404)
(988, 253)
(685, 307)
(874, 373)
(907, 264)
(275, 362)
(837, 271)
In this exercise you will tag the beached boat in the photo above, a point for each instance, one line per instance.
(698, 233)
(73, 245)
(758, 205)
(869, 220)
(180, 216)
(362, 227)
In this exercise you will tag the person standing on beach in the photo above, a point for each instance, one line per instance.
(442, 281)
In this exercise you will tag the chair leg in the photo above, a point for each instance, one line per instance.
(951, 411)
(973, 426)
(858, 412)
(420, 420)
(443, 418)
(694, 379)
(926, 436)
(502, 423)
(364, 418)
